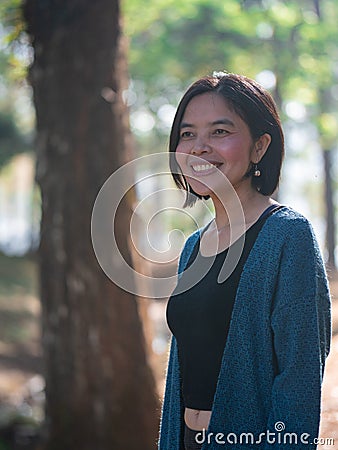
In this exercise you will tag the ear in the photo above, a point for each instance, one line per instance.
(260, 147)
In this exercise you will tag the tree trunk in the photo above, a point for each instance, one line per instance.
(100, 392)
(330, 211)
(325, 103)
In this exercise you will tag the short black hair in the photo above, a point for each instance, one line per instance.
(257, 109)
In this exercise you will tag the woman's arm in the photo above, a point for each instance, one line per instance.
(301, 326)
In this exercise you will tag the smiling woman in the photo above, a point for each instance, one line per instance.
(248, 352)
(216, 134)
(248, 105)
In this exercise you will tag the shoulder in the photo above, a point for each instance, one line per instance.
(289, 224)
(286, 240)
(298, 243)
(288, 216)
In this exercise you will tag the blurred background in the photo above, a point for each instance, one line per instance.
(290, 47)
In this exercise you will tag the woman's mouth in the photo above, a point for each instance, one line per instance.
(205, 169)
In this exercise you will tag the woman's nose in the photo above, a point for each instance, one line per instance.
(200, 146)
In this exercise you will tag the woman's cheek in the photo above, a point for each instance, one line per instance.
(181, 157)
(234, 153)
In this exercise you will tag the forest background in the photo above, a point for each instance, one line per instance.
(98, 72)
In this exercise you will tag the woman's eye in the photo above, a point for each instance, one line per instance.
(220, 131)
(186, 134)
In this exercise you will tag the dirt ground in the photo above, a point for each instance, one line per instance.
(329, 420)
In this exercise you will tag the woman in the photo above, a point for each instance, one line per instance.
(247, 354)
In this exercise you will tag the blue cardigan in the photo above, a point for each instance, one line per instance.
(273, 361)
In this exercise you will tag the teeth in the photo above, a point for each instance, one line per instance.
(200, 167)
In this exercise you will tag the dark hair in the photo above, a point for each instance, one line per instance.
(256, 108)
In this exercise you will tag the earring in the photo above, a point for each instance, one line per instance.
(257, 172)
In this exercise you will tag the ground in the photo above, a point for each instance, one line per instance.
(329, 422)
(21, 381)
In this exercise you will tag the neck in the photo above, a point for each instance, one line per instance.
(249, 203)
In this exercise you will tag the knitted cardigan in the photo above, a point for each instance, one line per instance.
(273, 361)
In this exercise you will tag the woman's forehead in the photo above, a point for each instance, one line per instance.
(209, 105)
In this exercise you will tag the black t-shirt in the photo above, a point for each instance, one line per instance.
(199, 318)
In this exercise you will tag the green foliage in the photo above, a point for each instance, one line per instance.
(174, 42)
(180, 41)
(15, 129)
(11, 18)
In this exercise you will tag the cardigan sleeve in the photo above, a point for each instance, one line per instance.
(301, 327)
(172, 408)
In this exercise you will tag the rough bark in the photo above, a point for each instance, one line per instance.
(100, 392)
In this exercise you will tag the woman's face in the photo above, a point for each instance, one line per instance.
(214, 132)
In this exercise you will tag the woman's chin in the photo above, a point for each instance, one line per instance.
(213, 189)
(200, 189)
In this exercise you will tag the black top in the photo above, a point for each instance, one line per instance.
(199, 318)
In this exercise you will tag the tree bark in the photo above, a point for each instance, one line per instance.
(330, 211)
(325, 103)
(100, 392)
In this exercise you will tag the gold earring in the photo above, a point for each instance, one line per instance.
(257, 172)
